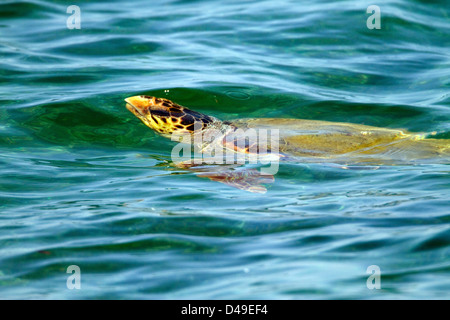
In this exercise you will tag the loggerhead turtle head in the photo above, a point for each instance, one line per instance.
(167, 117)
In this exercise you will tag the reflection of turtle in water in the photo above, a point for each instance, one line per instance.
(299, 140)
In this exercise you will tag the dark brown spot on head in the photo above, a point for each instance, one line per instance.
(159, 113)
(206, 120)
(187, 120)
(174, 109)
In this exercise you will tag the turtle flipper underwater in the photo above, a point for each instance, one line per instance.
(339, 143)
(248, 179)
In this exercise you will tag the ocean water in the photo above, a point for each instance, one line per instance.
(83, 182)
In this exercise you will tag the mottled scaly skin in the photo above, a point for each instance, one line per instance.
(167, 117)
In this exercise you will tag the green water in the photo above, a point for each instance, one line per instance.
(83, 182)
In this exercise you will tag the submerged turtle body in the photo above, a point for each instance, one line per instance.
(299, 140)
(348, 142)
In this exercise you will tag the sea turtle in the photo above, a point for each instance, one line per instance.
(346, 145)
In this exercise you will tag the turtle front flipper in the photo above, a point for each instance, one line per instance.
(248, 179)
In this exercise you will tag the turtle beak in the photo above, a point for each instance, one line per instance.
(137, 105)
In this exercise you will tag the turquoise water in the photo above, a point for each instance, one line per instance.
(83, 182)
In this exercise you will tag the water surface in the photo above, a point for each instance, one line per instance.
(83, 182)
